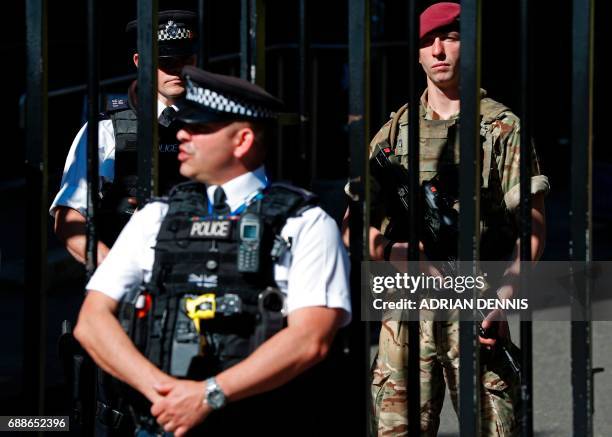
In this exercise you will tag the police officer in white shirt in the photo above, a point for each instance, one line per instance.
(117, 144)
(221, 260)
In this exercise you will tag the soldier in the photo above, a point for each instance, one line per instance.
(117, 144)
(222, 260)
(500, 131)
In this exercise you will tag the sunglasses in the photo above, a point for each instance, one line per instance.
(173, 62)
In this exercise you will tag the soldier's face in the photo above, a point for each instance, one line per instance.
(439, 57)
(209, 152)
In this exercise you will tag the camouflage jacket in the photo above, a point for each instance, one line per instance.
(439, 155)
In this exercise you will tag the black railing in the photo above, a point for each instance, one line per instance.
(525, 115)
(147, 100)
(581, 212)
(358, 125)
(35, 299)
(414, 337)
(251, 60)
(469, 217)
(93, 106)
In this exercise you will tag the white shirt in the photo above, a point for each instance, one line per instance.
(314, 272)
(73, 188)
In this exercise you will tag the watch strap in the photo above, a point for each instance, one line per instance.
(213, 394)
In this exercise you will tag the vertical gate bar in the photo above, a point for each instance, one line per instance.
(526, 419)
(245, 55)
(314, 104)
(258, 42)
(252, 41)
(413, 384)
(581, 212)
(307, 152)
(147, 100)
(35, 298)
(203, 39)
(93, 108)
(280, 93)
(384, 80)
(358, 125)
(469, 216)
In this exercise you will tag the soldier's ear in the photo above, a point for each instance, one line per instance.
(135, 59)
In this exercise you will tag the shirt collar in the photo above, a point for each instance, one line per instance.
(161, 107)
(239, 189)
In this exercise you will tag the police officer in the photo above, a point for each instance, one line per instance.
(117, 144)
(439, 56)
(222, 260)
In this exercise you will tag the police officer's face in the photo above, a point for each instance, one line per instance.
(212, 152)
(169, 81)
(439, 57)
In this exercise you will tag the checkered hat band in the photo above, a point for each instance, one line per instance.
(178, 34)
(220, 103)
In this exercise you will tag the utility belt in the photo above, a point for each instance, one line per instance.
(201, 322)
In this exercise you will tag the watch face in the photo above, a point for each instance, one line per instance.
(216, 398)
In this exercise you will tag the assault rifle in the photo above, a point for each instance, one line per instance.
(439, 225)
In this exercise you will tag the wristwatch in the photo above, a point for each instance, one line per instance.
(214, 396)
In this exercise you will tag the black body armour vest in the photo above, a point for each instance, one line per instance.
(196, 257)
(115, 211)
(196, 270)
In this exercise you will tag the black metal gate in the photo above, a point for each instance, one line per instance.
(252, 59)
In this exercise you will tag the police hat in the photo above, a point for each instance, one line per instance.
(214, 97)
(175, 33)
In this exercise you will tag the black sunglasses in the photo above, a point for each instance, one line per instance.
(172, 62)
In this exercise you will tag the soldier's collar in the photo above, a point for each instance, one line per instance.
(428, 113)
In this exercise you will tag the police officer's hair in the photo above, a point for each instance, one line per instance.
(259, 130)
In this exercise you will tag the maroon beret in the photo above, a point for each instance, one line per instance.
(438, 15)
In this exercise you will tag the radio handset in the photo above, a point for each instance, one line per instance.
(250, 229)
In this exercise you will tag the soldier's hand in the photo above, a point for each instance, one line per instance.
(181, 407)
(496, 327)
(399, 258)
(399, 251)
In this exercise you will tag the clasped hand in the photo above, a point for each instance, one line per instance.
(179, 406)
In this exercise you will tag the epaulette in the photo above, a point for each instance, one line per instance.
(117, 104)
(188, 197)
(282, 201)
(491, 110)
(186, 187)
(113, 106)
(153, 199)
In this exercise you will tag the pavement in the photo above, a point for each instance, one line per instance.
(552, 389)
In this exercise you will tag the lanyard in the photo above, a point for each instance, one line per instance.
(251, 198)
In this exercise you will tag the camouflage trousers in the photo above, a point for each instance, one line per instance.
(439, 364)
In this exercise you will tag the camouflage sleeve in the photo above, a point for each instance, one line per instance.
(508, 161)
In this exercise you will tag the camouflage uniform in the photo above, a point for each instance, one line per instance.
(439, 346)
